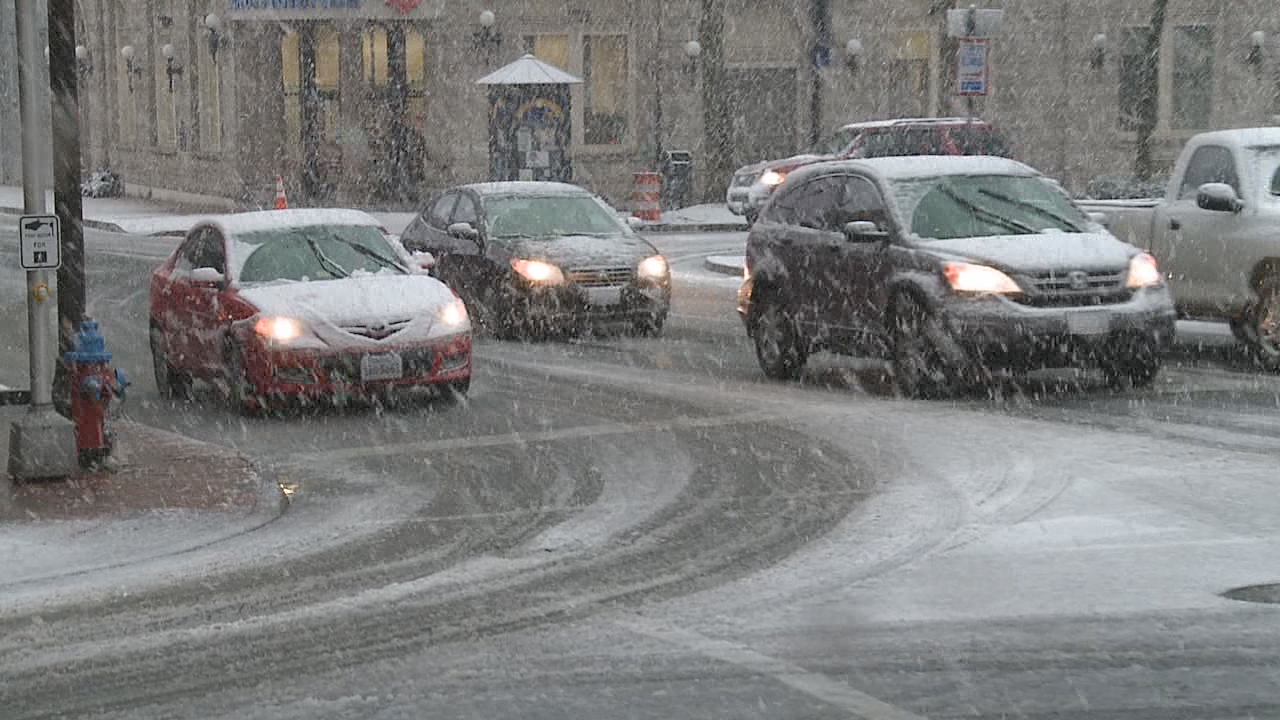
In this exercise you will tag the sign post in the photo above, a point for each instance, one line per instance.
(973, 28)
(42, 444)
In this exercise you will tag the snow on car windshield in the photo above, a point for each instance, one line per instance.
(958, 206)
(317, 252)
(550, 216)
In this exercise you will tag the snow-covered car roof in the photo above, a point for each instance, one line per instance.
(266, 220)
(524, 187)
(1240, 137)
(932, 121)
(916, 166)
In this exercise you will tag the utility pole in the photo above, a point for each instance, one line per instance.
(717, 125)
(1149, 100)
(67, 203)
(42, 444)
(819, 58)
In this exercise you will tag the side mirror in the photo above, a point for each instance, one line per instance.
(863, 231)
(1099, 218)
(464, 231)
(423, 261)
(208, 277)
(1219, 197)
(634, 222)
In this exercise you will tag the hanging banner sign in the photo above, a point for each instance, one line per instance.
(334, 9)
(971, 67)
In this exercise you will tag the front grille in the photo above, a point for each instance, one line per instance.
(601, 277)
(377, 331)
(1056, 288)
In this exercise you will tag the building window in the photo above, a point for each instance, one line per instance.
(1192, 91)
(1133, 75)
(374, 43)
(291, 67)
(553, 49)
(605, 101)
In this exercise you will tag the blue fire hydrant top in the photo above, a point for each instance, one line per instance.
(90, 345)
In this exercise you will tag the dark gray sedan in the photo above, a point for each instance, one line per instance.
(542, 258)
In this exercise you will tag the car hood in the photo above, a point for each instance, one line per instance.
(787, 163)
(352, 301)
(1039, 252)
(585, 251)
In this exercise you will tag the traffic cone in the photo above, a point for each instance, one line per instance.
(282, 201)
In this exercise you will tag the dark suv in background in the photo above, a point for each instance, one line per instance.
(752, 184)
(950, 267)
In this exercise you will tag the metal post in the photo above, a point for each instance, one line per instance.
(970, 29)
(42, 444)
(64, 84)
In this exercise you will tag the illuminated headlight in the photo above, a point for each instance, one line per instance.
(654, 268)
(455, 313)
(970, 278)
(278, 329)
(536, 271)
(772, 178)
(1143, 271)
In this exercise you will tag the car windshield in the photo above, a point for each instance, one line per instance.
(549, 216)
(956, 206)
(315, 252)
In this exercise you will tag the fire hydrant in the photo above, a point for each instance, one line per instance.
(93, 385)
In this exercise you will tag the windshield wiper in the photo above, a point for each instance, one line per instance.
(375, 256)
(326, 262)
(990, 215)
(1032, 206)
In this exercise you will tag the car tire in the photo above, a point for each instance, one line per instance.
(170, 382)
(1260, 326)
(927, 361)
(1137, 369)
(779, 349)
(240, 395)
(651, 326)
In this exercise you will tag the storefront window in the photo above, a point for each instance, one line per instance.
(553, 49)
(605, 75)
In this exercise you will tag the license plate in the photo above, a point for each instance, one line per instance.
(382, 366)
(1089, 322)
(604, 296)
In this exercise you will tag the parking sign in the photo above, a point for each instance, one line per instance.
(971, 67)
(40, 242)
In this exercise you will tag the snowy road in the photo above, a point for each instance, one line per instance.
(622, 527)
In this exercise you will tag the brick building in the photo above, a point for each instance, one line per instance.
(375, 101)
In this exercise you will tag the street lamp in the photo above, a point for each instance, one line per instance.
(692, 51)
(83, 63)
(1257, 41)
(130, 67)
(171, 66)
(486, 39)
(1098, 52)
(214, 24)
(853, 54)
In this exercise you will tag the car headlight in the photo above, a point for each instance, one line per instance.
(278, 329)
(455, 313)
(537, 271)
(967, 277)
(772, 178)
(1143, 271)
(654, 268)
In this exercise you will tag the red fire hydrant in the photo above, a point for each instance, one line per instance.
(93, 385)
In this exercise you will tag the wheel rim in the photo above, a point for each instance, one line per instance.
(770, 340)
(160, 362)
(1266, 324)
(918, 360)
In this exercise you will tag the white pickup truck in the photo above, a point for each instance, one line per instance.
(1216, 233)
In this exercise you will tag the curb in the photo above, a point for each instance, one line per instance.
(95, 224)
(724, 264)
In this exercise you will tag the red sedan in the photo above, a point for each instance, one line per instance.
(303, 304)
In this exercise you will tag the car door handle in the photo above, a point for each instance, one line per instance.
(1175, 224)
